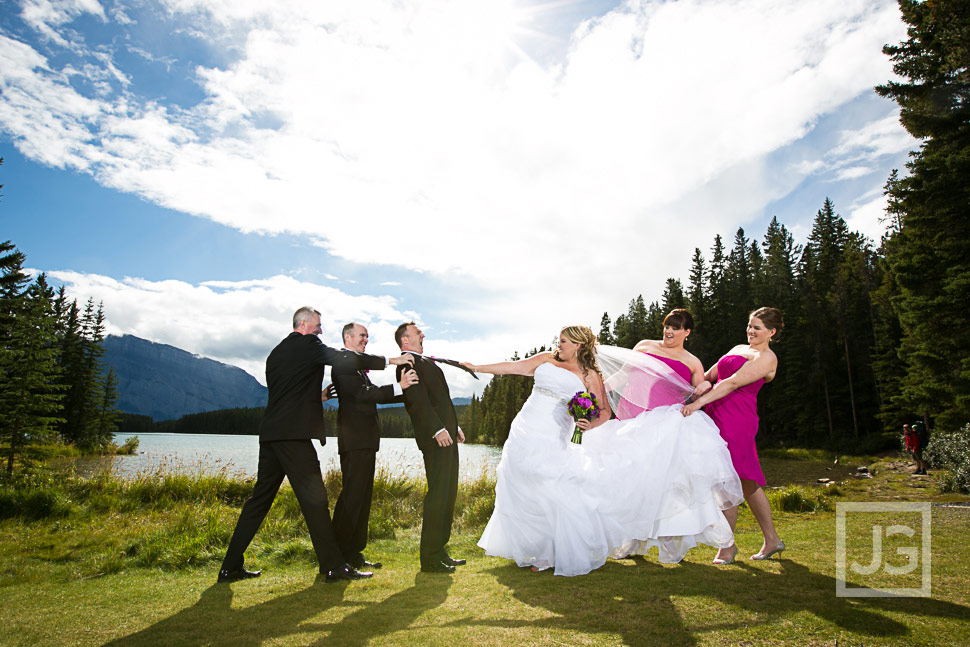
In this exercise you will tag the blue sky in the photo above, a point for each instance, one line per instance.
(492, 170)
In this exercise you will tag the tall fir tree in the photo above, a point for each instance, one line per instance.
(738, 284)
(81, 353)
(717, 328)
(697, 304)
(606, 331)
(29, 397)
(773, 284)
(13, 281)
(635, 325)
(673, 296)
(930, 255)
(655, 322)
(107, 414)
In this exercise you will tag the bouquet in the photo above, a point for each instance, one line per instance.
(582, 406)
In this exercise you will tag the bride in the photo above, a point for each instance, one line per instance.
(658, 479)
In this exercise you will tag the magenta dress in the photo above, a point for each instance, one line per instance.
(627, 409)
(736, 416)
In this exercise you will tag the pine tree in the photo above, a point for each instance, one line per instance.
(738, 283)
(606, 334)
(930, 253)
(655, 322)
(107, 411)
(634, 325)
(774, 285)
(12, 283)
(29, 398)
(698, 342)
(81, 353)
(887, 367)
(717, 328)
(673, 296)
(777, 283)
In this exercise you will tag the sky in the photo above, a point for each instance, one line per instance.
(492, 170)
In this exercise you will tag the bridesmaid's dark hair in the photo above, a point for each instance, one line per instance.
(586, 356)
(679, 318)
(771, 318)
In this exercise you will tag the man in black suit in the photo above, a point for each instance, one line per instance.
(358, 439)
(435, 429)
(293, 415)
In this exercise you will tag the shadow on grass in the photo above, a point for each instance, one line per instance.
(637, 602)
(212, 620)
(397, 612)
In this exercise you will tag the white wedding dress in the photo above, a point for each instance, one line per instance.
(659, 479)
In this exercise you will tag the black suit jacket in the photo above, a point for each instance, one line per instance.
(294, 376)
(429, 403)
(357, 423)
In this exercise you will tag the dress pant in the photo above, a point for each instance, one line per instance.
(351, 514)
(441, 467)
(296, 460)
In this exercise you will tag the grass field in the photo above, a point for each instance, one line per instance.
(97, 573)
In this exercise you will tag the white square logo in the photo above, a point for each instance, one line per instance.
(882, 550)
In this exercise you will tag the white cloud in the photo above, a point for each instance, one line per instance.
(866, 217)
(854, 172)
(558, 187)
(45, 16)
(233, 322)
(879, 138)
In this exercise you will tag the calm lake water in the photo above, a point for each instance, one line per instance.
(212, 453)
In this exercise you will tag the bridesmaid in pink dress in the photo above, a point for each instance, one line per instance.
(678, 325)
(732, 404)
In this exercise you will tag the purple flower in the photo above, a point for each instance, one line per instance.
(583, 405)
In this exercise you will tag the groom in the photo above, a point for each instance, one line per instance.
(435, 429)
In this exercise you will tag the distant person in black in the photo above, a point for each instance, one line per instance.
(923, 438)
(293, 415)
(358, 439)
(435, 429)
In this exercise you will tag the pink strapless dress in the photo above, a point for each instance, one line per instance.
(627, 409)
(736, 417)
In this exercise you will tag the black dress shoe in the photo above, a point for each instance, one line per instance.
(438, 567)
(363, 563)
(236, 574)
(347, 572)
(451, 561)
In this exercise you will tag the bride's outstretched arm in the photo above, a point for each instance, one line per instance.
(525, 366)
(599, 390)
(755, 369)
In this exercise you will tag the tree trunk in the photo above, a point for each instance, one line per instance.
(848, 370)
(825, 387)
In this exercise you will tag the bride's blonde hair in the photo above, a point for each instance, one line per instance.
(586, 355)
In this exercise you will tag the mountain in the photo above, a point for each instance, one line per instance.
(166, 382)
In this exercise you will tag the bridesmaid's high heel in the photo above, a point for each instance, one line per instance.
(774, 551)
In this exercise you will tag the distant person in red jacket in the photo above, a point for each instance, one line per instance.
(914, 446)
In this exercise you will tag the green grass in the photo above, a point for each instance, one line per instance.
(134, 564)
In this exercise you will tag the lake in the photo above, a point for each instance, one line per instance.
(212, 453)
